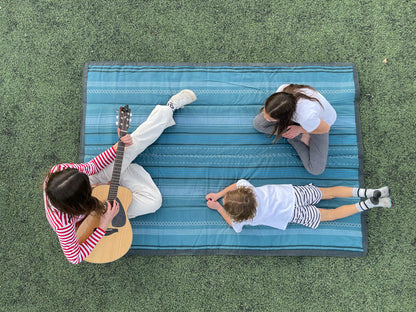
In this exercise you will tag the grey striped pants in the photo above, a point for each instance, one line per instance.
(305, 212)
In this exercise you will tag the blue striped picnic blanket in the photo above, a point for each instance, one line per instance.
(213, 144)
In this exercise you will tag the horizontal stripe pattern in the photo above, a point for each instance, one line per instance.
(213, 144)
(305, 213)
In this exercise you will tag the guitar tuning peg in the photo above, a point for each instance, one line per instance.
(117, 123)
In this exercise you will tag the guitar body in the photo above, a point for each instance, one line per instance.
(113, 246)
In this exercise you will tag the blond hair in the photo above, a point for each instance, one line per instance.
(240, 204)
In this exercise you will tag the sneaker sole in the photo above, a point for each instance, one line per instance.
(377, 194)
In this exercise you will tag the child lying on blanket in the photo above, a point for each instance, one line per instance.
(279, 205)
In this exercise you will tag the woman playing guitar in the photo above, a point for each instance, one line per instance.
(68, 193)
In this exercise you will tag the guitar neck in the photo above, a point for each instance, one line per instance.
(115, 180)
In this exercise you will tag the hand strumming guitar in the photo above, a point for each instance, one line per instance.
(109, 214)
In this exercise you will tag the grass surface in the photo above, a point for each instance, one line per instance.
(43, 47)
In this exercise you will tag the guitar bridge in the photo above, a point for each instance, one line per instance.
(110, 231)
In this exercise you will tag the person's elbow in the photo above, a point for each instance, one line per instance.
(322, 128)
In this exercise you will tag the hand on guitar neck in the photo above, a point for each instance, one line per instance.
(109, 214)
(126, 139)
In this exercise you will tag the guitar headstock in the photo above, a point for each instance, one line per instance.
(124, 114)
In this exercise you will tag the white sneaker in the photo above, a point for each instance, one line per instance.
(385, 202)
(382, 192)
(182, 98)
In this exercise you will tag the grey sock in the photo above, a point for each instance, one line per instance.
(365, 205)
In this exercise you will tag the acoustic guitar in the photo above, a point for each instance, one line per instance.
(119, 235)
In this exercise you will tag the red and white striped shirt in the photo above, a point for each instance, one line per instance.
(63, 224)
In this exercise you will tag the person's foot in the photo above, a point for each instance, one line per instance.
(181, 99)
(372, 202)
(385, 202)
(382, 192)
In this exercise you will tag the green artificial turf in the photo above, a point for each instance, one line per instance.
(44, 45)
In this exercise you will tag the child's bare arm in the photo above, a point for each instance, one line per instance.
(217, 206)
(216, 196)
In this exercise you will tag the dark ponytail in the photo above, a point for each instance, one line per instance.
(294, 89)
(281, 106)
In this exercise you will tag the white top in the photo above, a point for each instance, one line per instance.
(275, 205)
(309, 113)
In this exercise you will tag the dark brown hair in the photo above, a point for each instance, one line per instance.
(282, 106)
(240, 204)
(70, 191)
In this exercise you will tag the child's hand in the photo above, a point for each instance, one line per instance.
(213, 205)
(212, 196)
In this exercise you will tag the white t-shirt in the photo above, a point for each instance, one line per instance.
(309, 113)
(275, 205)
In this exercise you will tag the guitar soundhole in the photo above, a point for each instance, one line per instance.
(120, 218)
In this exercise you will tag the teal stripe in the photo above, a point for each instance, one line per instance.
(202, 139)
